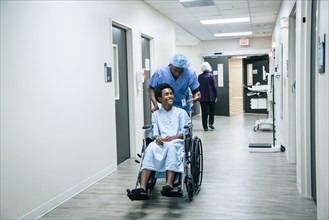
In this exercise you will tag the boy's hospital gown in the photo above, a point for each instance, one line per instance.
(168, 156)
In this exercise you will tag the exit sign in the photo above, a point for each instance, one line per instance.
(244, 41)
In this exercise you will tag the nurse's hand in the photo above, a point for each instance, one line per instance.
(196, 97)
(154, 108)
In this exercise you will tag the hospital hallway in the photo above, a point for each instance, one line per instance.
(236, 184)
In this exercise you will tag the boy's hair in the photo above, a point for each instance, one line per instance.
(159, 88)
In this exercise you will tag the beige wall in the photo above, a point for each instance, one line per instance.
(235, 72)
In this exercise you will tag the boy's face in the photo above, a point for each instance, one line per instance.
(167, 97)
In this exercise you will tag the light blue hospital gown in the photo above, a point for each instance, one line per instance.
(187, 80)
(169, 156)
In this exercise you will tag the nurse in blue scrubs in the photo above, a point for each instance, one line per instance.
(183, 80)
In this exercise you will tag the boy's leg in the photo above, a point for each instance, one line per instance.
(168, 190)
(170, 178)
(145, 176)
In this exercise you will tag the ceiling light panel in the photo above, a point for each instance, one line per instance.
(233, 34)
(226, 21)
(196, 3)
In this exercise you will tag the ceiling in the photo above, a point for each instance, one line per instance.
(188, 13)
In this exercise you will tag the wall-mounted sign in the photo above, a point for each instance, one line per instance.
(321, 57)
(244, 41)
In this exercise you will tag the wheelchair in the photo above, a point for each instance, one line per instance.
(191, 178)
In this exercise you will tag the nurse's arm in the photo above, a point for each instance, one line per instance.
(153, 99)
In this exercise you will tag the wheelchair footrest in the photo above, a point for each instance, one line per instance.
(172, 193)
(137, 196)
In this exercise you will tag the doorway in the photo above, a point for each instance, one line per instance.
(236, 86)
(119, 38)
(253, 73)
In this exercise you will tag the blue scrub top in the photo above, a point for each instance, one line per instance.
(187, 80)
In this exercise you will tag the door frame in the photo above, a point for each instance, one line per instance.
(130, 79)
(151, 44)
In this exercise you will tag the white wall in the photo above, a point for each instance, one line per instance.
(280, 40)
(57, 113)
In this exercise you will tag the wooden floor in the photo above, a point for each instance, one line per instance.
(236, 185)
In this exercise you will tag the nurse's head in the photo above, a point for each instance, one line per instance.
(178, 63)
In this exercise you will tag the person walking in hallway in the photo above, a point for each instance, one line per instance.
(208, 95)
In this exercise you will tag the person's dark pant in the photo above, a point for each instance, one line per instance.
(207, 109)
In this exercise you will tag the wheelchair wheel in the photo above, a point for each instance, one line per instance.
(197, 164)
(189, 186)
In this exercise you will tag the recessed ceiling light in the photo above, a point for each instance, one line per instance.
(225, 21)
(196, 3)
(233, 34)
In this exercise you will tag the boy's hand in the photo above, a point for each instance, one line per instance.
(158, 141)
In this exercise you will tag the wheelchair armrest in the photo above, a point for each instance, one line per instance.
(148, 127)
(188, 126)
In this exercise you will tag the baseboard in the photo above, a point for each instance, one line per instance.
(68, 194)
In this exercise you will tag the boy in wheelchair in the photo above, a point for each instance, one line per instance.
(165, 153)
